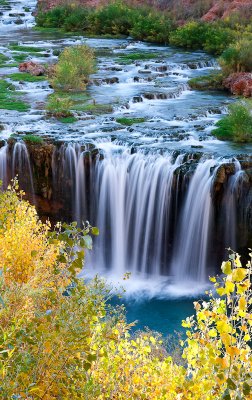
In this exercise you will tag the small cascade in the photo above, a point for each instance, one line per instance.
(194, 230)
(21, 167)
(229, 204)
(134, 195)
(4, 166)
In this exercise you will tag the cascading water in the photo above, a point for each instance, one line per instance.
(194, 229)
(3, 166)
(133, 199)
(21, 167)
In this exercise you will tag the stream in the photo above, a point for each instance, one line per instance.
(151, 191)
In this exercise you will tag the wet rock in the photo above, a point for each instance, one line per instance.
(137, 99)
(32, 68)
(144, 71)
(18, 22)
(223, 171)
(111, 81)
(162, 68)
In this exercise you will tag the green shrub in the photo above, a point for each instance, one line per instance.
(237, 57)
(59, 107)
(74, 67)
(237, 125)
(211, 37)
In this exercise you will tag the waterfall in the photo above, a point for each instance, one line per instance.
(3, 166)
(230, 201)
(194, 230)
(21, 167)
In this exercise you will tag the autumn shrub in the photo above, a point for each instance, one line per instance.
(237, 125)
(72, 71)
(60, 339)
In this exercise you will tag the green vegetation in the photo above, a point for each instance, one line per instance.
(26, 77)
(115, 18)
(237, 125)
(9, 98)
(59, 107)
(211, 37)
(137, 56)
(237, 57)
(212, 81)
(73, 68)
(26, 49)
(60, 338)
(33, 139)
(143, 23)
(68, 120)
(94, 108)
(130, 121)
(20, 57)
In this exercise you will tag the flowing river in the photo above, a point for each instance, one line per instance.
(167, 196)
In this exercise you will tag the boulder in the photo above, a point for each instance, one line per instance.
(32, 68)
(239, 83)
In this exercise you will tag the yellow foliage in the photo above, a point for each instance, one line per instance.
(58, 341)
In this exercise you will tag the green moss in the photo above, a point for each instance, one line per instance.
(33, 139)
(23, 76)
(12, 65)
(130, 121)
(95, 108)
(27, 49)
(207, 82)
(137, 56)
(68, 120)
(9, 98)
(3, 58)
(20, 57)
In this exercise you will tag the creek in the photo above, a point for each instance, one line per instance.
(167, 196)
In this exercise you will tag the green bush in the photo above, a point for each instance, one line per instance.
(73, 68)
(59, 107)
(211, 37)
(237, 125)
(237, 57)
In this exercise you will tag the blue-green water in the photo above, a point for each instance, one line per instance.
(162, 315)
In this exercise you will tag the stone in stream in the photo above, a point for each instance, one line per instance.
(32, 68)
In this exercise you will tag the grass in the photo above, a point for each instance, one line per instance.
(27, 49)
(68, 120)
(3, 58)
(33, 139)
(212, 81)
(130, 121)
(20, 57)
(95, 108)
(9, 100)
(137, 56)
(24, 76)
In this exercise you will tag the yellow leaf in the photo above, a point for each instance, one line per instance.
(233, 351)
(242, 304)
(239, 274)
(226, 267)
(212, 333)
